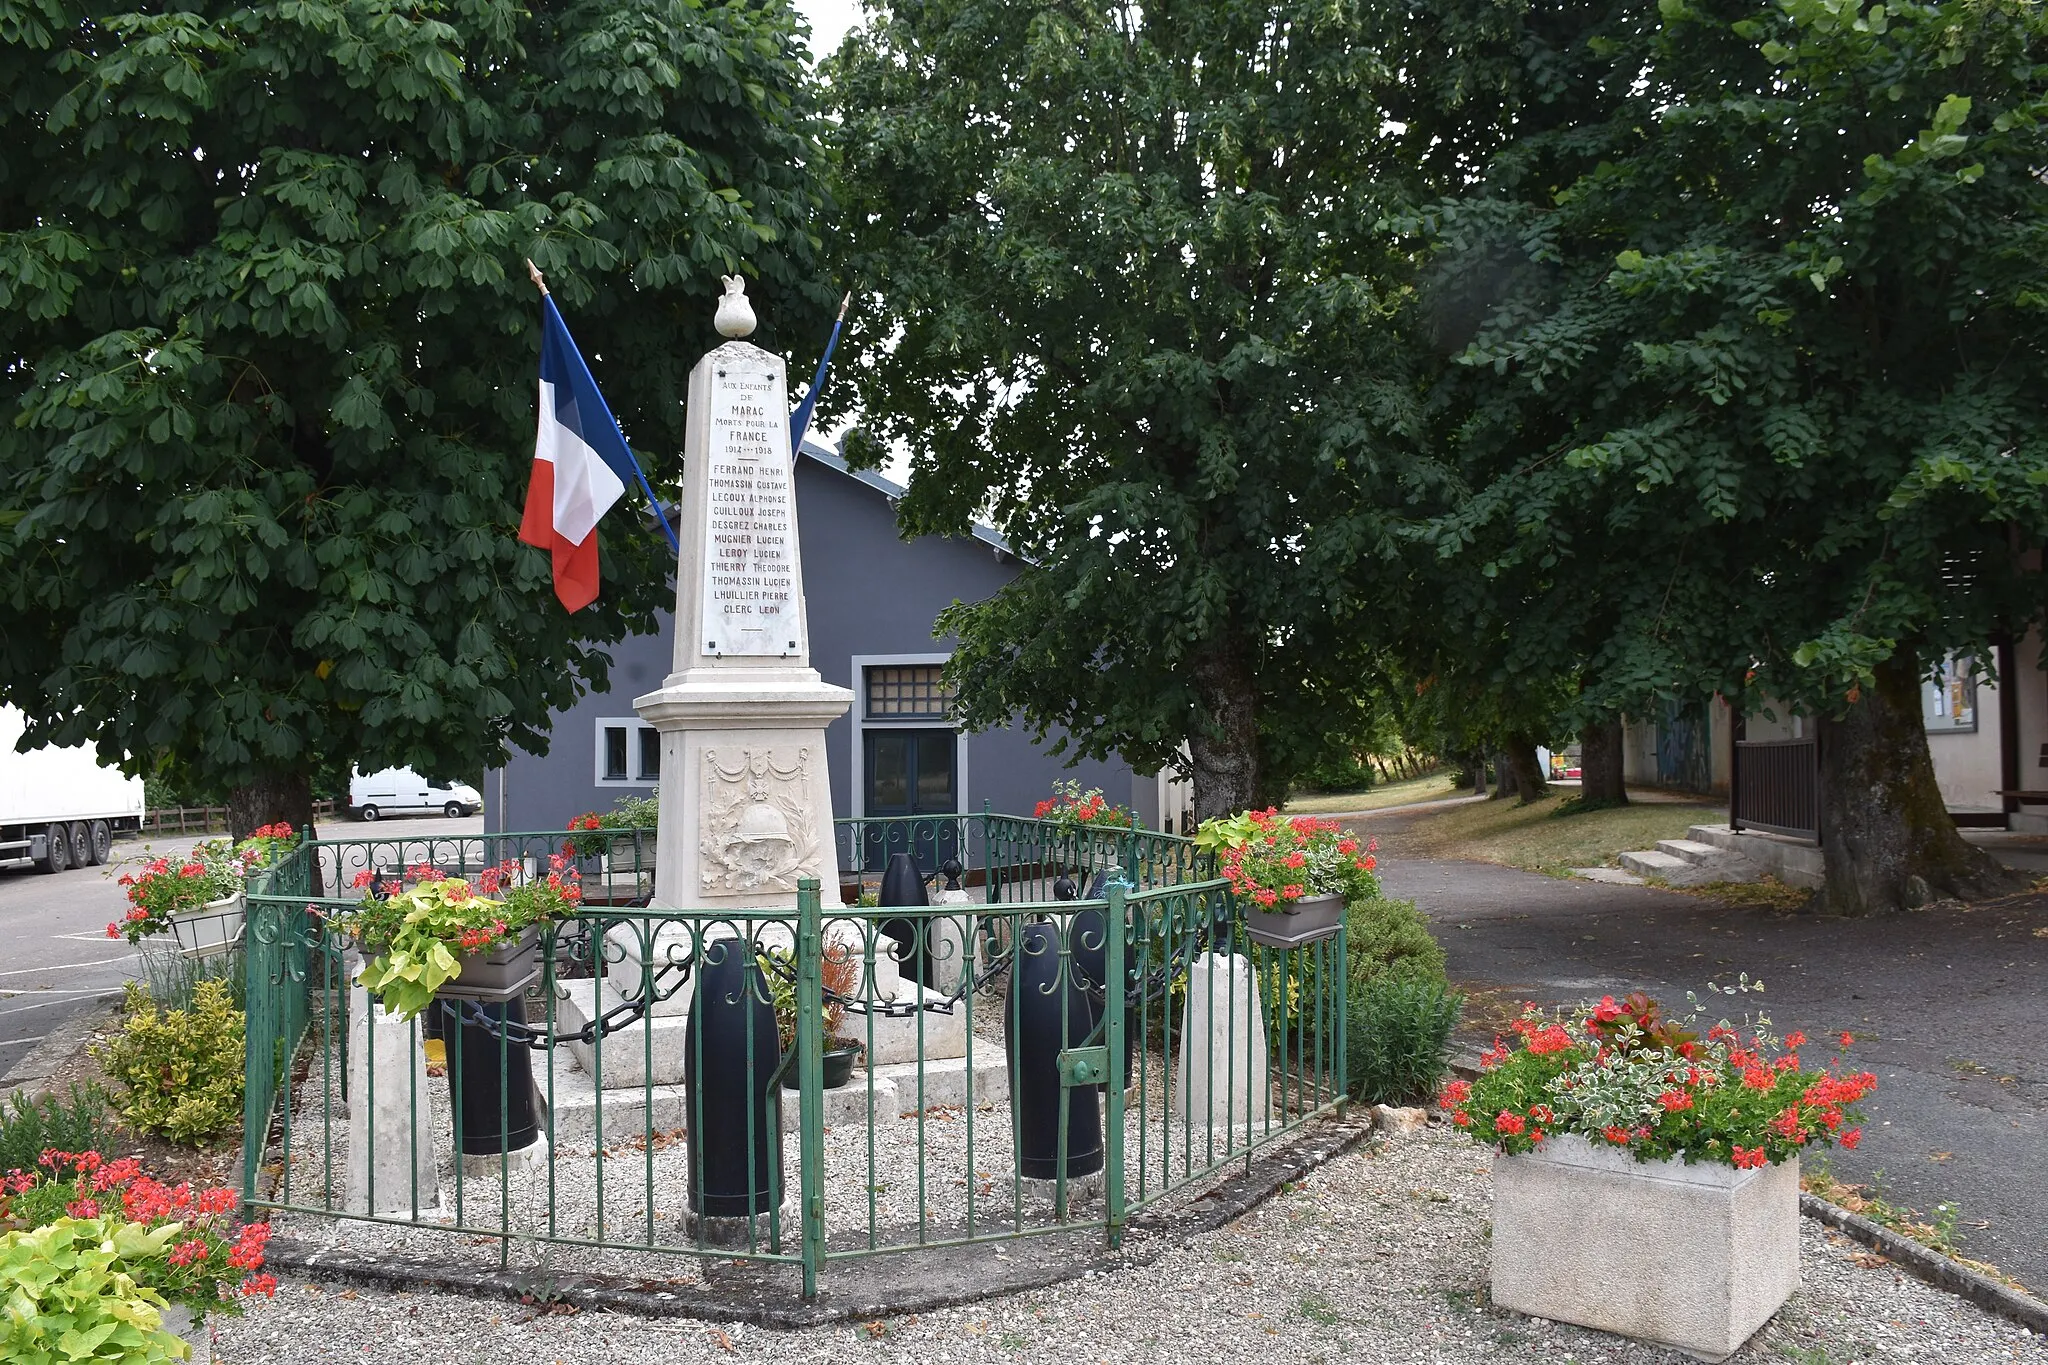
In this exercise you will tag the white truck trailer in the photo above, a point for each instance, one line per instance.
(60, 808)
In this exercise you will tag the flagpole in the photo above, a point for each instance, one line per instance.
(800, 420)
(660, 512)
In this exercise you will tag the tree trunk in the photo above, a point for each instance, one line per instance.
(1885, 832)
(1225, 752)
(1475, 768)
(1529, 784)
(1503, 778)
(269, 799)
(1600, 764)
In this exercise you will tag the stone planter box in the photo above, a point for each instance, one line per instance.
(1306, 921)
(213, 928)
(1696, 1257)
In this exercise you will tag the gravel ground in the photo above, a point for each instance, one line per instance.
(1378, 1257)
(877, 1190)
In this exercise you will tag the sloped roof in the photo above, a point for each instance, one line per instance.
(889, 488)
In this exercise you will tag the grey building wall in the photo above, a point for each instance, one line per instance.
(871, 595)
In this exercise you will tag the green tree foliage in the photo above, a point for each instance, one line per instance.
(1751, 370)
(267, 354)
(1132, 305)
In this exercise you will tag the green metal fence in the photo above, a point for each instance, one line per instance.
(1028, 1063)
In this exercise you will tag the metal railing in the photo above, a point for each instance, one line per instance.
(1774, 786)
(1030, 1065)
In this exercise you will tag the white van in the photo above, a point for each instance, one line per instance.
(396, 790)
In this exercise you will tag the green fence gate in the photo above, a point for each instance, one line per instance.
(1030, 1064)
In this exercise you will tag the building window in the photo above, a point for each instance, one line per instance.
(1948, 699)
(628, 752)
(908, 692)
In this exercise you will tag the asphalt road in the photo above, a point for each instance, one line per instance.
(55, 956)
(1947, 1007)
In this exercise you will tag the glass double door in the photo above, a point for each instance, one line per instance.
(911, 773)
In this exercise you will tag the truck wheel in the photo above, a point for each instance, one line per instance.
(367, 813)
(454, 810)
(102, 842)
(81, 844)
(56, 849)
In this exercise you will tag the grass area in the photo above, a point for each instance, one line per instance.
(1765, 893)
(1431, 787)
(1536, 838)
(1937, 1233)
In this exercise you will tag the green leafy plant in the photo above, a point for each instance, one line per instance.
(167, 886)
(69, 1299)
(838, 973)
(172, 978)
(81, 1121)
(181, 1069)
(1623, 1074)
(414, 939)
(1273, 861)
(1381, 935)
(1071, 808)
(1397, 1034)
(628, 814)
(200, 1259)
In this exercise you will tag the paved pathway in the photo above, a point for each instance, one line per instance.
(1949, 1007)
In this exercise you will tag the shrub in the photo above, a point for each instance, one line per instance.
(1401, 1008)
(1346, 771)
(1398, 1034)
(182, 1068)
(28, 1128)
(172, 978)
(1380, 934)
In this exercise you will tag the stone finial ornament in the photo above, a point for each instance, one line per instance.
(735, 316)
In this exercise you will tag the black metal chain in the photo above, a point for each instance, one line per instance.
(623, 1015)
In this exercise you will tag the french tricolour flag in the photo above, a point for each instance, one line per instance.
(581, 464)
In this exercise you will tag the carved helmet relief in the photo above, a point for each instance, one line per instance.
(758, 833)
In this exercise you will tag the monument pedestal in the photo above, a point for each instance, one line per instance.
(746, 807)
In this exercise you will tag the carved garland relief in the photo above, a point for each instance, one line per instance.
(758, 830)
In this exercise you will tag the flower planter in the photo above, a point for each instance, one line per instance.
(838, 1068)
(1308, 920)
(1696, 1257)
(213, 928)
(501, 974)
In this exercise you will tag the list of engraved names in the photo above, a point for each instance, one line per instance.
(750, 590)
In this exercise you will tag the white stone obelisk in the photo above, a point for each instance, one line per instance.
(746, 808)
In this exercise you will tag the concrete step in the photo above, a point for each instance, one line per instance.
(1611, 876)
(1699, 868)
(577, 1103)
(1691, 850)
(651, 1048)
(1649, 863)
(885, 1095)
(1790, 861)
(946, 1079)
